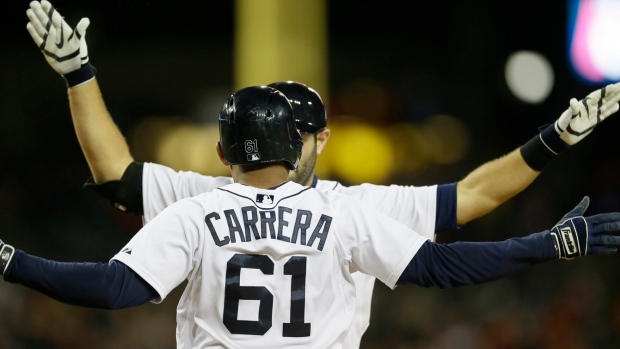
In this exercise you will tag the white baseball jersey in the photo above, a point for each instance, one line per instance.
(413, 206)
(267, 268)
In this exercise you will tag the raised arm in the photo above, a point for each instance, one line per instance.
(104, 147)
(494, 182)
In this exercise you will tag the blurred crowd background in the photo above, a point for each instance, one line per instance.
(418, 93)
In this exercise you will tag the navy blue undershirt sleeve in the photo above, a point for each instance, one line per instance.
(445, 216)
(95, 285)
(468, 263)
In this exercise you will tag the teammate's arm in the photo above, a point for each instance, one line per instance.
(493, 183)
(104, 147)
(467, 263)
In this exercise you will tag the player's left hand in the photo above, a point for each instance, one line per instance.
(582, 116)
(575, 235)
(64, 48)
(572, 126)
(6, 254)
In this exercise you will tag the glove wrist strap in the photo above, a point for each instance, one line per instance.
(80, 76)
(6, 254)
(550, 135)
(542, 148)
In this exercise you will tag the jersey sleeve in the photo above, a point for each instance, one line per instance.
(377, 244)
(412, 206)
(163, 186)
(167, 249)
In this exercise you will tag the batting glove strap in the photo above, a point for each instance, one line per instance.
(570, 238)
(542, 148)
(6, 255)
(80, 76)
(552, 140)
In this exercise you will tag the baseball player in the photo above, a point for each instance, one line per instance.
(278, 274)
(148, 188)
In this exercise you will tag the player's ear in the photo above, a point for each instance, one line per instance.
(321, 139)
(220, 153)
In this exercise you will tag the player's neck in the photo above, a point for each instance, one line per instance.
(260, 176)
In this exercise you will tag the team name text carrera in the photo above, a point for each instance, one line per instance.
(281, 224)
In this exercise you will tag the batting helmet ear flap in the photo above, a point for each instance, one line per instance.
(220, 153)
(257, 126)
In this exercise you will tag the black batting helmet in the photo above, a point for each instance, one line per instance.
(257, 127)
(310, 115)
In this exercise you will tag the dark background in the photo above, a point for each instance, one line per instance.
(157, 58)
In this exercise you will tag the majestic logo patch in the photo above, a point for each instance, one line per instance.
(569, 241)
(264, 198)
(126, 250)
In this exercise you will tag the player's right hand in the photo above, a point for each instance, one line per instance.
(6, 254)
(582, 116)
(575, 235)
(64, 48)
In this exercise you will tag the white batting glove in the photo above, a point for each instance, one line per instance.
(573, 125)
(581, 117)
(64, 48)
